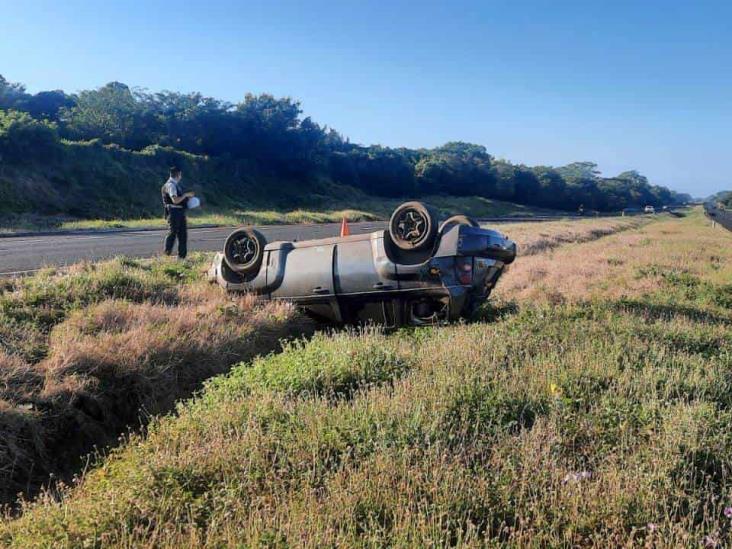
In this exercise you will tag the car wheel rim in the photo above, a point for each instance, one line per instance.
(411, 226)
(244, 250)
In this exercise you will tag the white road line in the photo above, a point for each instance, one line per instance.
(19, 273)
(52, 239)
(24, 241)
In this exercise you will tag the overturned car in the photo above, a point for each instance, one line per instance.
(412, 273)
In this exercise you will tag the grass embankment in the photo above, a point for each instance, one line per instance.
(593, 409)
(87, 185)
(354, 206)
(89, 353)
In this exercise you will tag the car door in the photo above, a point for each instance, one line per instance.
(361, 268)
(307, 272)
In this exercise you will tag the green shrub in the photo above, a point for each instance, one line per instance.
(22, 137)
(324, 366)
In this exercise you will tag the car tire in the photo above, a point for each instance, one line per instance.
(413, 227)
(244, 250)
(457, 220)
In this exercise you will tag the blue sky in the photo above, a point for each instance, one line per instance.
(643, 85)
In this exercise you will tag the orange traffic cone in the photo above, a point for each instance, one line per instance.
(345, 231)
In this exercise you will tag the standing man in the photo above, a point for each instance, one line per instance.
(174, 200)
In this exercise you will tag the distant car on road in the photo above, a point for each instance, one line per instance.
(649, 210)
(412, 273)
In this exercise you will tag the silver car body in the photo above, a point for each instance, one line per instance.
(364, 278)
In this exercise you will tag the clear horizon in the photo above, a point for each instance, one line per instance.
(628, 86)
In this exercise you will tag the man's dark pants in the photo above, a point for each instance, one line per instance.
(178, 228)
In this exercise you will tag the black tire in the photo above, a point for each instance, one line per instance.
(244, 250)
(413, 226)
(458, 220)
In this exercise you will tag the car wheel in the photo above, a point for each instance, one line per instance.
(458, 220)
(244, 250)
(413, 226)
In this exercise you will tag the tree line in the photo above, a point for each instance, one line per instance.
(724, 199)
(272, 136)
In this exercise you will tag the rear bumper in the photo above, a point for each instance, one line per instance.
(476, 242)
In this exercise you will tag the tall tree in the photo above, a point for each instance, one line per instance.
(11, 94)
(109, 113)
(48, 104)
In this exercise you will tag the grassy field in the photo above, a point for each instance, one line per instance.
(357, 207)
(588, 405)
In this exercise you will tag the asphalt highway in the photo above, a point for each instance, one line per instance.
(723, 217)
(25, 254)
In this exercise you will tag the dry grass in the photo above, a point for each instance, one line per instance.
(632, 264)
(108, 365)
(580, 419)
(538, 239)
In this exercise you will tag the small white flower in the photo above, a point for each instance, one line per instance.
(576, 477)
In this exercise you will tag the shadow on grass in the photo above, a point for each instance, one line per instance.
(494, 311)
